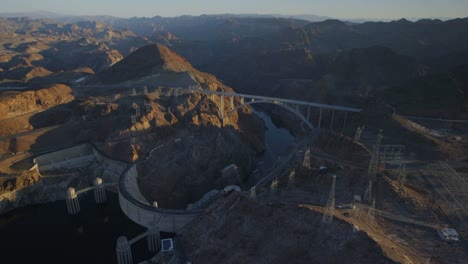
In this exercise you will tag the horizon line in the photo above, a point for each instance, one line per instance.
(278, 15)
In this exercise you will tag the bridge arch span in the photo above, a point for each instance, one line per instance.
(281, 104)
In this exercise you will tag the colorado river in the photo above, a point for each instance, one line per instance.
(277, 141)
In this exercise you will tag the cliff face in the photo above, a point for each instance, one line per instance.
(13, 104)
(19, 110)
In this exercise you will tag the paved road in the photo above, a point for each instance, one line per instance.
(66, 100)
(22, 134)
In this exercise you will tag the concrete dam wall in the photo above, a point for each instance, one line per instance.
(141, 212)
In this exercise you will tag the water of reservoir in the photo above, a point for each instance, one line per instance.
(47, 234)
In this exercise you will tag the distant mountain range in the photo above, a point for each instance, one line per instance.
(329, 61)
(106, 18)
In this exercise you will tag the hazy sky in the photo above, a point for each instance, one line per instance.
(332, 8)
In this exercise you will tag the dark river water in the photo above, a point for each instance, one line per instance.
(277, 139)
(47, 234)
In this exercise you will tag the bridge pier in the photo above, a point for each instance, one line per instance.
(222, 106)
(134, 92)
(154, 239)
(232, 103)
(242, 100)
(123, 250)
(73, 204)
(306, 160)
(99, 191)
(308, 113)
(145, 90)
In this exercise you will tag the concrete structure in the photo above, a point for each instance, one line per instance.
(73, 204)
(99, 191)
(153, 238)
(290, 105)
(124, 252)
(135, 206)
(80, 156)
(74, 157)
(167, 245)
(448, 234)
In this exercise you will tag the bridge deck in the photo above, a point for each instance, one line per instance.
(256, 97)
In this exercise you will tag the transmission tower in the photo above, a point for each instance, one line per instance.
(368, 193)
(137, 111)
(330, 209)
(253, 193)
(402, 175)
(371, 212)
(358, 134)
(148, 107)
(306, 160)
(374, 163)
(274, 188)
(292, 179)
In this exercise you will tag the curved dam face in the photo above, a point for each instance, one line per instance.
(135, 206)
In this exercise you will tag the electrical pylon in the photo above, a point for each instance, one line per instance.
(330, 209)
